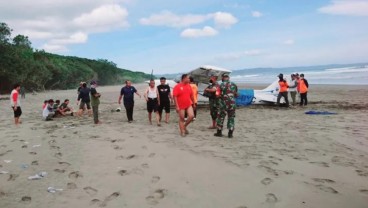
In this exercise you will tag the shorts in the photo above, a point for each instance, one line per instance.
(18, 112)
(152, 105)
(81, 105)
(165, 106)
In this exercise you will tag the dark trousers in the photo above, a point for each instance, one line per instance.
(303, 99)
(285, 95)
(129, 111)
(95, 113)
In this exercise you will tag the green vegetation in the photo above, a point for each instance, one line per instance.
(39, 70)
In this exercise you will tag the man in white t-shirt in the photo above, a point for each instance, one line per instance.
(153, 101)
(48, 112)
(15, 103)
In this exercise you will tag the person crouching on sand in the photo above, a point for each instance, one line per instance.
(184, 102)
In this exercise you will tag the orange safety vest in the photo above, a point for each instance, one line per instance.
(283, 86)
(302, 87)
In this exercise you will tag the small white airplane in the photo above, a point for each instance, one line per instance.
(246, 96)
(202, 74)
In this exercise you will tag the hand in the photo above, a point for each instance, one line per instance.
(119, 102)
(177, 109)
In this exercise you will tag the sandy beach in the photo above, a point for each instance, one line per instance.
(278, 157)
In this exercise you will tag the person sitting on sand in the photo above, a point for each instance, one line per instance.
(44, 104)
(48, 112)
(64, 108)
(184, 102)
(153, 101)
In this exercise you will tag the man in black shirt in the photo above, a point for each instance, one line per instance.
(128, 93)
(84, 99)
(165, 97)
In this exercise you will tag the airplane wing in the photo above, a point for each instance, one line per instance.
(202, 73)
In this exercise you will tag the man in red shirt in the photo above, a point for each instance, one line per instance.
(15, 103)
(184, 102)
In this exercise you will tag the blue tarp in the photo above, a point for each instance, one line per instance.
(245, 97)
(319, 113)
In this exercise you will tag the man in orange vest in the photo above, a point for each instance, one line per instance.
(303, 90)
(283, 91)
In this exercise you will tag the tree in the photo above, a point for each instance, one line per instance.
(5, 33)
(21, 40)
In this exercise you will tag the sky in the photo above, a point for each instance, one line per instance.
(177, 36)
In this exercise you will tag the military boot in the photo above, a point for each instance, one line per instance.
(230, 134)
(219, 133)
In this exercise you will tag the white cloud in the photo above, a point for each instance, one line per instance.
(239, 55)
(75, 38)
(224, 19)
(103, 18)
(169, 19)
(58, 23)
(54, 48)
(346, 7)
(256, 14)
(196, 33)
(289, 42)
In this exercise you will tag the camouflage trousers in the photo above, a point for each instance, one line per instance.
(213, 108)
(230, 112)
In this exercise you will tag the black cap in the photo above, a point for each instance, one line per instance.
(225, 75)
(302, 75)
(280, 75)
(163, 78)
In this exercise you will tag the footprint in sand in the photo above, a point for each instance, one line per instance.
(155, 198)
(64, 165)
(131, 157)
(117, 147)
(33, 153)
(145, 165)
(75, 175)
(266, 181)
(321, 164)
(2, 154)
(242, 207)
(54, 147)
(364, 191)
(2, 194)
(155, 179)
(271, 198)
(109, 198)
(327, 189)
(90, 191)
(34, 162)
(58, 155)
(24, 146)
(26, 199)
(12, 177)
(123, 172)
(94, 201)
(71, 186)
(362, 173)
(152, 155)
(322, 180)
(59, 170)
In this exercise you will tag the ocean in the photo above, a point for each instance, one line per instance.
(350, 74)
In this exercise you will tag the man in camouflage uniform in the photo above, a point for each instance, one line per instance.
(211, 91)
(227, 105)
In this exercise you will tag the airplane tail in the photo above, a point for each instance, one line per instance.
(274, 86)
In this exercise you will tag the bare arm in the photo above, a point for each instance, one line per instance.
(119, 100)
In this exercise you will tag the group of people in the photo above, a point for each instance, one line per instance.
(52, 109)
(158, 98)
(185, 97)
(298, 85)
